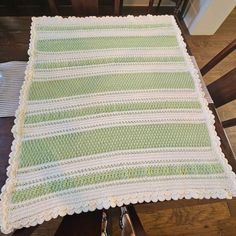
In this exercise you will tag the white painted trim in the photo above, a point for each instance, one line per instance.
(204, 17)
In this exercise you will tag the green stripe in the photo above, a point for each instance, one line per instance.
(112, 175)
(57, 115)
(38, 151)
(62, 64)
(72, 44)
(95, 27)
(104, 83)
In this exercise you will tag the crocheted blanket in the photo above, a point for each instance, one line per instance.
(111, 112)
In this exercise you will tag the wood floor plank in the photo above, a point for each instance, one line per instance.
(227, 227)
(185, 220)
(232, 207)
(174, 204)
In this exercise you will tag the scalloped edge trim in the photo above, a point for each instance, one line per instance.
(17, 134)
(228, 192)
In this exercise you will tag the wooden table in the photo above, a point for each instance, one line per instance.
(87, 223)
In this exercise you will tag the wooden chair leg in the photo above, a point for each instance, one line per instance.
(177, 8)
(53, 7)
(229, 123)
(117, 6)
(150, 6)
(158, 5)
(105, 229)
(223, 89)
(85, 7)
(183, 9)
(219, 57)
(130, 222)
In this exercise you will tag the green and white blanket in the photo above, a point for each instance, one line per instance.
(111, 112)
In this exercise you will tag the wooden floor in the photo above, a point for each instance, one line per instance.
(214, 219)
(164, 218)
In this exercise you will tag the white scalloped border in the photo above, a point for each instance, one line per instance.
(16, 130)
(228, 192)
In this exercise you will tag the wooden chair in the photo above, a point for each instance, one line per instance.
(132, 225)
(84, 7)
(117, 7)
(223, 90)
(180, 6)
(80, 7)
(53, 6)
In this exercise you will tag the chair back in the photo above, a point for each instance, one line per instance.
(223, 90)
(80, 7)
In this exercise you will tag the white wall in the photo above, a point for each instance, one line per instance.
(204, 17)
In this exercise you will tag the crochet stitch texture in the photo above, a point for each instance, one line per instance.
(111, 112)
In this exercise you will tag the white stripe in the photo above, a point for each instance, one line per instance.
(104, 53)
(79, 107)
(78, 124)
(112, 68)
(83, 166)
(135, 153)
(141, 32)
(41, 106)
(93, 21)
(76, 27)
(174, 110)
